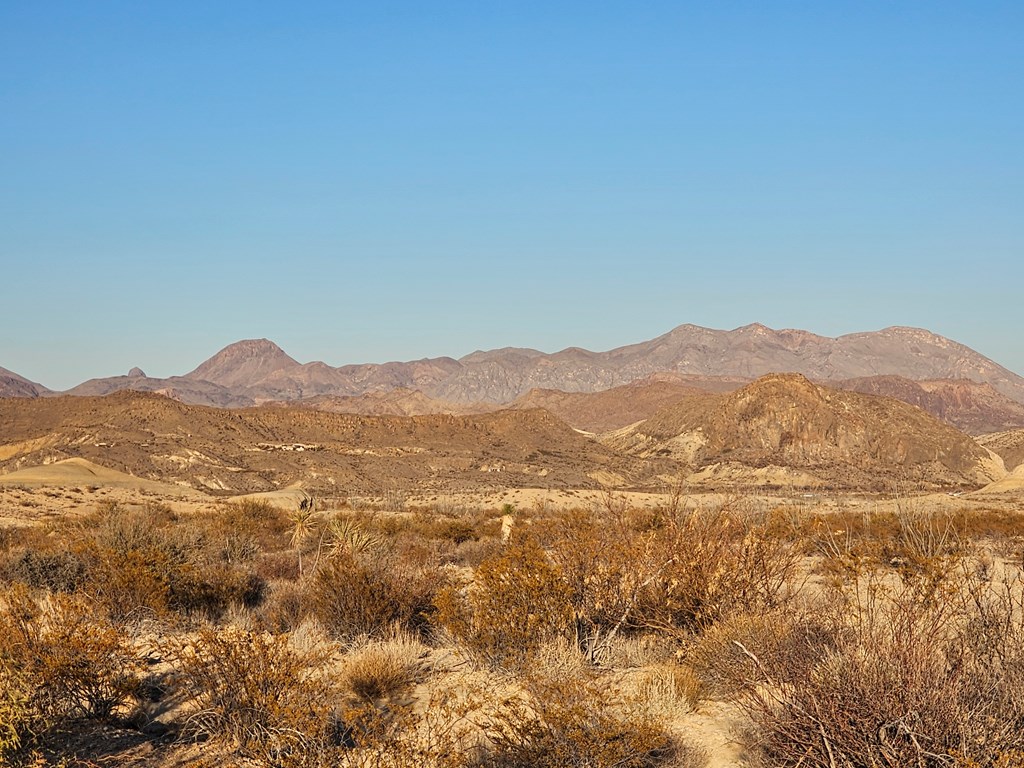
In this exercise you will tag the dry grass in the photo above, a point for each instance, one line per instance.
(588, 638)
(383, 670)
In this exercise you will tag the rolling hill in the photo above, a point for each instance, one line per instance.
(259, 449)
(835, 437)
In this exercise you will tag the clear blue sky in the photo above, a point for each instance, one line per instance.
(375, 181)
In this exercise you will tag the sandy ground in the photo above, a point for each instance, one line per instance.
(71, 473)
(76, 486)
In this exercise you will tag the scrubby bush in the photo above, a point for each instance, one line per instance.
(717, 562)
(606, 563)
(581, 720)
(353, 594)
(383, 669)
(258, 692)
(911, 681)
(54, 570)
(149, 564)
(60, 660)
(19, 719)
(517, 602)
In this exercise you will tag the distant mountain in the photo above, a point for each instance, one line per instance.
(747, 352)
(976, 408)
(617, 407)
(243, 364)
(834, 438)
(13, 385)
(257, 371)
(192, 391)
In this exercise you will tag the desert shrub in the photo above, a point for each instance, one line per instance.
(669, 689)
(52, 570)
(274, 566)
(716, 562)
(639, 649)
(927, 547)
(580, 721)
(446, 731)
(353, 594)
(912, 681)
(518, 601)
(64, 660)
(457, 531)
(285, 607)
(473, 552)
(149, 563)
(610, 558)
(259, 522)
(268, 699)
(128, 584)
(19, 720)
(210, 591)
(788, 640)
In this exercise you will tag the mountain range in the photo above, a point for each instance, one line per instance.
(939, 375)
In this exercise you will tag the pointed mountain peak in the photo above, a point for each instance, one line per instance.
(244, 363)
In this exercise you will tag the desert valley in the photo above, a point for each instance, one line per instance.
(714, 548)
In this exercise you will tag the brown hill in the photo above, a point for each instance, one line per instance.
(611, 408)
(193, 392)
(841, 438)
(401, 401)
(975, 408)
(13, 385)
(1009, 445)
(260, 449)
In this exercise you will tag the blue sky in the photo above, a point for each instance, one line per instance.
(376, 181)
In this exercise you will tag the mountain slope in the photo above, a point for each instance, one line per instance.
(1009, 445)
(844, 439)
(975, 408)
(191, 391)
(400, 401)
(243, 364)
(259, 449)
(617, 407)
(13, 385)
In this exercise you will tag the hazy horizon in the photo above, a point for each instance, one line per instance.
(395, 181)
